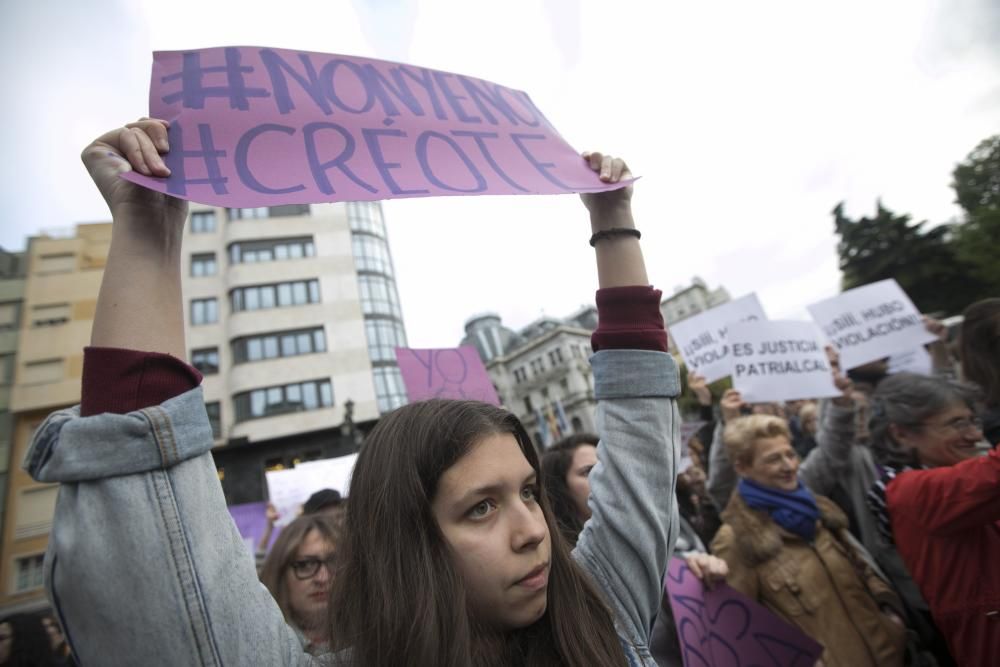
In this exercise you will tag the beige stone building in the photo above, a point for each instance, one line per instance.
(60, 294)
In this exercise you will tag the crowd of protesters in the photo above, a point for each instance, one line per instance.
(868, 521)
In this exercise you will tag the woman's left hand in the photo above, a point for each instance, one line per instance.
(710, 569)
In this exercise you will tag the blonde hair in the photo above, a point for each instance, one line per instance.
(741, 435)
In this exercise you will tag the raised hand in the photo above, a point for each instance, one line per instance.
(136, 146)
(699, 387)
(730, 405)
(613, 203)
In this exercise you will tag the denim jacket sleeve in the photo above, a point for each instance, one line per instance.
(633, 525)
(144, 564)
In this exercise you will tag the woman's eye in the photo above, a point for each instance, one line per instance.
(481, 509)
(529, 493)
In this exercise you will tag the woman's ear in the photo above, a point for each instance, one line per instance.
(900, 434)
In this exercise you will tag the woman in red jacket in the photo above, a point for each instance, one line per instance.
(939, 502)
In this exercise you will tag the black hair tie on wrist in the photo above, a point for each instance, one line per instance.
(614, 231)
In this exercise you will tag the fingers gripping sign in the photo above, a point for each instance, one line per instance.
(138, 147)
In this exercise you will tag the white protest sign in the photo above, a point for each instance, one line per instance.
(289, 489)
(780, 361)
(871, 322)
(333, 473)
(915, 361)
(702, 340)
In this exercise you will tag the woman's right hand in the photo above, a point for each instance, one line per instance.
(136, 146)
(730, 405)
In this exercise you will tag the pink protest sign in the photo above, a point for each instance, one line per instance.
(725, 627)
(263, 127)
(449, 373)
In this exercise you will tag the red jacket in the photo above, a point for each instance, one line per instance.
(946, 524)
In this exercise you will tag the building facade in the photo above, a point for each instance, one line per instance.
(291, 314)
(542, 372)
(60, 288)
(12, 268)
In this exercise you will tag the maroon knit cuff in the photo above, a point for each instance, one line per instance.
(629, 318)
(121, 381)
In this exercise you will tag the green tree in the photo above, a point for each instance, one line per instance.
(922, 260)
(976, 182)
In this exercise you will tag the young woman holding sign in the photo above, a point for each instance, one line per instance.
(452, 555)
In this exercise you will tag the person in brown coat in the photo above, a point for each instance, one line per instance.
(789, 550)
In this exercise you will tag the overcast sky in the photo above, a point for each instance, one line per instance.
(747, 121)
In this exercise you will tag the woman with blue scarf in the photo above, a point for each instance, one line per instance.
(789, 550)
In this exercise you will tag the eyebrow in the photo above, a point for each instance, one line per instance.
(491, 489)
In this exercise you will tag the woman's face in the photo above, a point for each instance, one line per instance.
(309, 597)
(6, 640)
(578, 478)
(944, 439)
(775, 464)
(487, 507)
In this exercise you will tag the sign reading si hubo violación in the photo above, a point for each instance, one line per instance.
(263, 127)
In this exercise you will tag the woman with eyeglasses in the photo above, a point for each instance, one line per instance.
(939, 501)
(298, 572)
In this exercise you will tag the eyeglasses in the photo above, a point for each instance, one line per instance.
(308, 567)
(959, 425)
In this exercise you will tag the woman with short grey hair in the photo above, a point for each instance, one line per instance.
(938, 501)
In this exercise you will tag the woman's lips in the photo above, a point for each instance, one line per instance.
(537, 579)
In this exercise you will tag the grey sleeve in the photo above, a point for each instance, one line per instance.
(824, 465)
(721, 477)
(145, 564)
(630, 535)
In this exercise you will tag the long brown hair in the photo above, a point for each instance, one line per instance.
(398, 599)
(980, 344)
(279, 559)
(556, 462)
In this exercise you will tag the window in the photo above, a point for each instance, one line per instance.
(42, 372)
(50, 315)
(6, 369)
(10, 315)
(36, 507)
(30, 573)
(204, 311)
(520, 375)
(564, 383)
(555, 356)
(203, 265)
(378, 296)
(366, 217)
(537, 366)
(248, 252)
(258, 297)
(389, 388)
(577, 424)
(288, 210)
(279, 344)
(527, 404)
(371, 254)
(214, 418)
(296, 397)
(57, 263)
(384, 336)
(206, 360)
(202, 222)
(248, 213)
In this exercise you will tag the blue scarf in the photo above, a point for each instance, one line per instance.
(795, 511)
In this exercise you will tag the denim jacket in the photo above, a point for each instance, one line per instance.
(145, 565)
